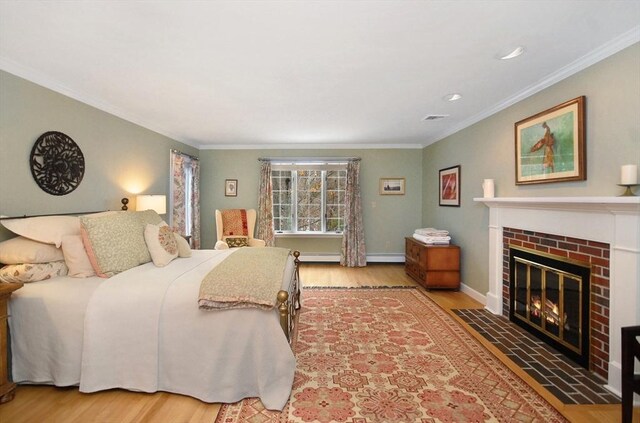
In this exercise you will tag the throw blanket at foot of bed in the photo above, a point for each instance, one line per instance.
(248, 278)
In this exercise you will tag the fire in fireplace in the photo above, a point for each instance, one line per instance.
(549, 297)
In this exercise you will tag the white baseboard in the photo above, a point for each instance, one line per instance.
(335, 258)
(329, 258)
(473, 294)
(385, 258)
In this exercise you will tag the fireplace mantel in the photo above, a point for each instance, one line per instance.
(566, 203)
(612, 220)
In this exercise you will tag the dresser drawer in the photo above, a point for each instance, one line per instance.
(433, 266)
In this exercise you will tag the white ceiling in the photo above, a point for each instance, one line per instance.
(240, 74)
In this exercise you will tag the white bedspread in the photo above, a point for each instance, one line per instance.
(143, 331)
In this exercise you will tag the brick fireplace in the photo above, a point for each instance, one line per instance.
(602, 231)
(593, 254)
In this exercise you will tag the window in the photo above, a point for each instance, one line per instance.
(308, 198)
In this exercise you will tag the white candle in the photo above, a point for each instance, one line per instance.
(488, 188)
(629, 174)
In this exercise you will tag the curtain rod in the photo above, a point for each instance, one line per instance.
(307, 159)
(185, 154)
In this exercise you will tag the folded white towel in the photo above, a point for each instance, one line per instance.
(431, 232)
(432, 239)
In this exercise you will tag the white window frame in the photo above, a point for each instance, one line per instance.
(304, 165)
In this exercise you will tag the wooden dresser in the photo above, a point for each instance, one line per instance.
(433, 266)
(7, 389)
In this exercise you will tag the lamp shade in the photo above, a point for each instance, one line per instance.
(152, 202)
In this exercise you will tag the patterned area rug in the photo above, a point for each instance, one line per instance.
(392, 355)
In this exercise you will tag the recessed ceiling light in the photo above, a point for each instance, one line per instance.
(515, 53)
(452, 97)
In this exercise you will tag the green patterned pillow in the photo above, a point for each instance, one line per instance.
(236, 241)
(149, 217)
(114, 243)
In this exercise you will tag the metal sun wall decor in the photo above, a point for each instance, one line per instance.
(57, 163)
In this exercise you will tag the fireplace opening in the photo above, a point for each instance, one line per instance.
(549, 297)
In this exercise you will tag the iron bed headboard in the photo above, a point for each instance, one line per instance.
(51, 214)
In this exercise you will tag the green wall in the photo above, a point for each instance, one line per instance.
(121, 158)
(486, 150)
(387, 218)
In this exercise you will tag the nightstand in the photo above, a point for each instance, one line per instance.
(7, 389)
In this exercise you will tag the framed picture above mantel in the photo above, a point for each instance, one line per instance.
(550, 145)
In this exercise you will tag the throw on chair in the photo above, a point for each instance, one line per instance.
(235, 227)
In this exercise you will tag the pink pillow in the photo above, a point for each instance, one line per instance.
(76, 257)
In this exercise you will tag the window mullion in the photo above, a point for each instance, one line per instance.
(323, 200)
(294, 200)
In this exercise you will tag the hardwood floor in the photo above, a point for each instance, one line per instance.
(68, 405)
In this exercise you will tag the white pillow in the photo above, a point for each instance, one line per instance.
(162, 244)
(76, 257)
(32, 272)
(47, 229)
(20, 250)
(184, 250)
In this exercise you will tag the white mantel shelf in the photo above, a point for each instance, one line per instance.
(565, 203)
(612, 220)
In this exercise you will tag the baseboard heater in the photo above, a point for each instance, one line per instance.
(335, 258)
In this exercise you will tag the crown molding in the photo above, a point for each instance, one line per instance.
(314, 146)
(608, 49)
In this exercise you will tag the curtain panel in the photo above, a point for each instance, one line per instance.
(178, 187)
(265, 206)
(195, 203)
(185, 196)
(353, 252)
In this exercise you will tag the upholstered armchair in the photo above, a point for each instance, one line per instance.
(235, 227)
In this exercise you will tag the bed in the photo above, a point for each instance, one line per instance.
(142, 330)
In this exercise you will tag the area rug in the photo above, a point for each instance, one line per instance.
(392, 355)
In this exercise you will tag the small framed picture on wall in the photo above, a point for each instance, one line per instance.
(450, 186)
(392, 186)
(230, 187)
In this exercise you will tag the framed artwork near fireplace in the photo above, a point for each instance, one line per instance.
(449, 183)
(550, 145)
